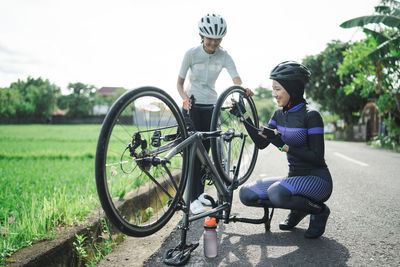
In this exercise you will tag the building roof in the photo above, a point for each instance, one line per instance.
(106, 91)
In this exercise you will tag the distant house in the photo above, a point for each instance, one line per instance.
(370, 118)
(104, 92)
(107, 91)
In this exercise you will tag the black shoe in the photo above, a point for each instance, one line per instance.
(292, 220)
(317, 224)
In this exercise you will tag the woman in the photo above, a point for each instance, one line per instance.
(299, 132)
(205, 63)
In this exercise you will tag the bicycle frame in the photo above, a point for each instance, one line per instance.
(197, 149)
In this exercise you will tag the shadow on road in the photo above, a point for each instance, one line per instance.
(261, 249)
(278, 249)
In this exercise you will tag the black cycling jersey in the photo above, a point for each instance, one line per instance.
(309, 180)
(303, 131)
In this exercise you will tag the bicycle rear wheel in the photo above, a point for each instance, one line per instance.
(225, 152)
(138, 192)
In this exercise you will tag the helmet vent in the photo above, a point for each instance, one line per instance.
(223, 33)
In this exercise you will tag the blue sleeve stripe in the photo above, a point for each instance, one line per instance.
(272, 122)
(316, 130)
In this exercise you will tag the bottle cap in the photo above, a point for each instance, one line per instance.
(210, 221)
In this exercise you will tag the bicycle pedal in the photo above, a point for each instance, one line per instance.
(180, 255)
(211, 199)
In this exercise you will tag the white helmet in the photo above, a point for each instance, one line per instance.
(212, 26)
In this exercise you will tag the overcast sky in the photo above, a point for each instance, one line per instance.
(136, 43)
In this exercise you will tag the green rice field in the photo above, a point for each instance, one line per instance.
(46, 181)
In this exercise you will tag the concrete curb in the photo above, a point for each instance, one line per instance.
(58, 251)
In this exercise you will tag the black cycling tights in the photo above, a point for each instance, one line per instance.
(304, 193)
(201, 118)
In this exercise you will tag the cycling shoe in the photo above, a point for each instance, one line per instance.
(317, 223)
(294, 217)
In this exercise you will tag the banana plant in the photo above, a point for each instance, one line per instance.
(384, 58)
(386, 40)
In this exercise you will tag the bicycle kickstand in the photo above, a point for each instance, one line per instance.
(180, 254)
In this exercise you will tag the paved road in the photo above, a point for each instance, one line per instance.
(363, 229)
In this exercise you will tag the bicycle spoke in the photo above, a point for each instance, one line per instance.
(226, 153)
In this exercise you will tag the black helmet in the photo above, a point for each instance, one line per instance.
(290, 70)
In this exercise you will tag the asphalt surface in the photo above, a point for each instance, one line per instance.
(363, 228)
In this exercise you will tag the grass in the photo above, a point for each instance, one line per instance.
(47, 181)
(329, 136)
(385, 142)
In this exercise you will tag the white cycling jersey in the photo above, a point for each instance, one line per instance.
(204, 71)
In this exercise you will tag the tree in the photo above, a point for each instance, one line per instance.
(80, 101)
(376, 61)
(388, 14)
(33, 98)
(8, 100)
(265, 104)
(328, 89)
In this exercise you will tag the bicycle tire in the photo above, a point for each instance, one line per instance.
(223, 120)
(127, 137)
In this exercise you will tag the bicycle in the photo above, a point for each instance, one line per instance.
(144, 159)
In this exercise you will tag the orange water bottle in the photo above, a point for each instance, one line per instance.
(210, 237)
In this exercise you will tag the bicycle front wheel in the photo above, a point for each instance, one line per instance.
(137, 190)
(225, 151)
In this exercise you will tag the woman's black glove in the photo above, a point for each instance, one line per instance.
(278, 142)
(238, 108)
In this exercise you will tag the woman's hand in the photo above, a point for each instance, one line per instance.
(277, 141)
(249, 93)
(268, 133)
(187, 104)
(238, 108)
(238, 81)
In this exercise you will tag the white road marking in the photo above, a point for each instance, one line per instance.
(350, 159)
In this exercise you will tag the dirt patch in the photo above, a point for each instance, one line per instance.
(134, 251)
